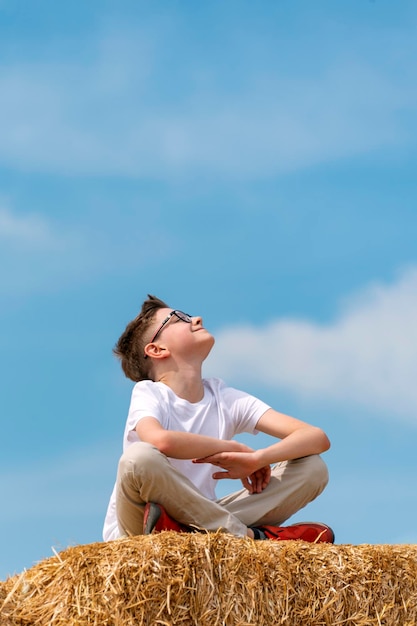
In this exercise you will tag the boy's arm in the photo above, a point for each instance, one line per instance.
(297, 439)
(180, 445)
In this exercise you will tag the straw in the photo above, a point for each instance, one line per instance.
(213, 579)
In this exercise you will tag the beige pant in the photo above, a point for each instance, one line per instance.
(145, 475)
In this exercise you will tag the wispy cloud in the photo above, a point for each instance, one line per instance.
(36, 253)
(367, 356)
(40, 252)
(27, 231)
(76, 483)
(122, 120)
(56, 501)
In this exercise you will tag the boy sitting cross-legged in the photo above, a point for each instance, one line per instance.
(180, 425)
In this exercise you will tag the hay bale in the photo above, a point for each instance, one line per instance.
(215, 579)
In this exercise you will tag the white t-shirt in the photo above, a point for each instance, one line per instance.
(222, 413)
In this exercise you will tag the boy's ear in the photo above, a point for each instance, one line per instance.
(152, 350)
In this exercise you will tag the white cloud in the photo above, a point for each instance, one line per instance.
(367, 356)
(267, 124)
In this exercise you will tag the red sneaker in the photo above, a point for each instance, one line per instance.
(313, 532)
(156, 519)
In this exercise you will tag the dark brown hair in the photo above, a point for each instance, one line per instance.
(130, 347)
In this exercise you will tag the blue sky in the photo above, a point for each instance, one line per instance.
(254, 163)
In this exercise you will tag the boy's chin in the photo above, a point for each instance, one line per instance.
(209, 346)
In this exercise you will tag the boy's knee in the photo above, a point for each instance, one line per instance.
(316, 470)
(138, 457)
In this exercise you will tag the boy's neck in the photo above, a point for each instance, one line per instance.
(187, 385)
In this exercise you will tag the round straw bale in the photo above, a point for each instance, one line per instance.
(206, 579)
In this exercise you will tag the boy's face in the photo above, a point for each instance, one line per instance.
(182, 334)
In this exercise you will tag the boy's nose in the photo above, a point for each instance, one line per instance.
(197, 320)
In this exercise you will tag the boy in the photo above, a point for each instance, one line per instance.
(180, 425)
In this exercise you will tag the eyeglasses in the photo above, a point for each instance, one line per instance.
(184, 317)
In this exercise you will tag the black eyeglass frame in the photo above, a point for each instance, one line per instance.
(184, 317)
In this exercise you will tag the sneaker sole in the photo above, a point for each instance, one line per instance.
(152, 515)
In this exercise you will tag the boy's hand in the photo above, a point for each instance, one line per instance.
(256, 482)
(243, 465)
